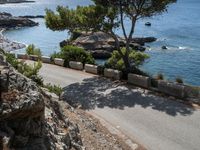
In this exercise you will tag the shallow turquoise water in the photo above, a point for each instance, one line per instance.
(179, 30)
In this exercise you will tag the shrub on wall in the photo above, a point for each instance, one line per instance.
(136, 59)
(32, 50)
(73, 53)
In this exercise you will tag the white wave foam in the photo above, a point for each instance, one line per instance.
(184, 48)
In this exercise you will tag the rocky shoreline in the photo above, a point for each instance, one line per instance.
(15, 1)
(8, 45)
(101, 45)
(7, 21)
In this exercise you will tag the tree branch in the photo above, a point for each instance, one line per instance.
(122, 22)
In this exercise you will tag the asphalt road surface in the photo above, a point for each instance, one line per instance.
(155, 122)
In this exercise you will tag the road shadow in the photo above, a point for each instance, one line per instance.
(101, 92)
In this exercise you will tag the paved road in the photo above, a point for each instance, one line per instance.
(155, 122)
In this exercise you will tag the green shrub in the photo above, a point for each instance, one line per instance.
(179, 80)
(12, 60)
(30, 71)
(160, 76)
(54, 89)
(56, 55)
(116, 61)
(32, 50)
(73, 53)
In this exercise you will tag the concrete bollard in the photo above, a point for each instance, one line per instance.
(22, 56)
(76, 65)
(139, 80)
(46, 59)
(172, 89)
(59, 62)
(91, 69)
(114, 74)
(33, 57)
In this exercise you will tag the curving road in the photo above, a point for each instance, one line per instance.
(155, 122)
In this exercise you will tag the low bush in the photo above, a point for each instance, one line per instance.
(136, 59)
(179, 80)
(73, 53)
(160, 76)
(32, 50)
(54, 89)
(30, 71)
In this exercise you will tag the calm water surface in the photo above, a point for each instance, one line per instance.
(179, 30)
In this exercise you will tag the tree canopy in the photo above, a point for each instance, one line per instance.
(107, 16)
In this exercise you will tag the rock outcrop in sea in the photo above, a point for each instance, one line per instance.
(7, 21)
(101, 45)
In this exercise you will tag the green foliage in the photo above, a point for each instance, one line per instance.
(54, 89)
(73, 53)
(32, 50)
(179, 80)
(116, 61)
(12, 60)
(107, 16)
(30, 71)
(83, 18)
(160, 76)
(138, 8)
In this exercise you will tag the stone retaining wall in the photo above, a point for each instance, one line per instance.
(91, 69)
(59, 62)
(34, 57)
(76, 65)
(111, 73)
(46, 59)
(139, 80)
(172, 89)
(22, 56)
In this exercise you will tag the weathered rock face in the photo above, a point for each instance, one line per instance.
(26, 123)
(21, 111)
(8, 21)
(101, 45)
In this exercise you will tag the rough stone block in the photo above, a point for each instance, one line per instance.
(46, 59)
(139, 80)
(91, 68)
(172, 89)
(22, 56)
(59, 62)
(114, 74)
(76, 65)
(33, 57)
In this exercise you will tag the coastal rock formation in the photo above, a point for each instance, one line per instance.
(8, 21)
(9, 45)
(32, 17)
(15, 1)
(101, 45)
(31, 118)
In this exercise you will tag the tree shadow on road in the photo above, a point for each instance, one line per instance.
(101, 92)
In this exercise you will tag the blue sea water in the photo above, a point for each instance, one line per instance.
(178, 29)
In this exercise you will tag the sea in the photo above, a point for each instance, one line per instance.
(178, 29)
